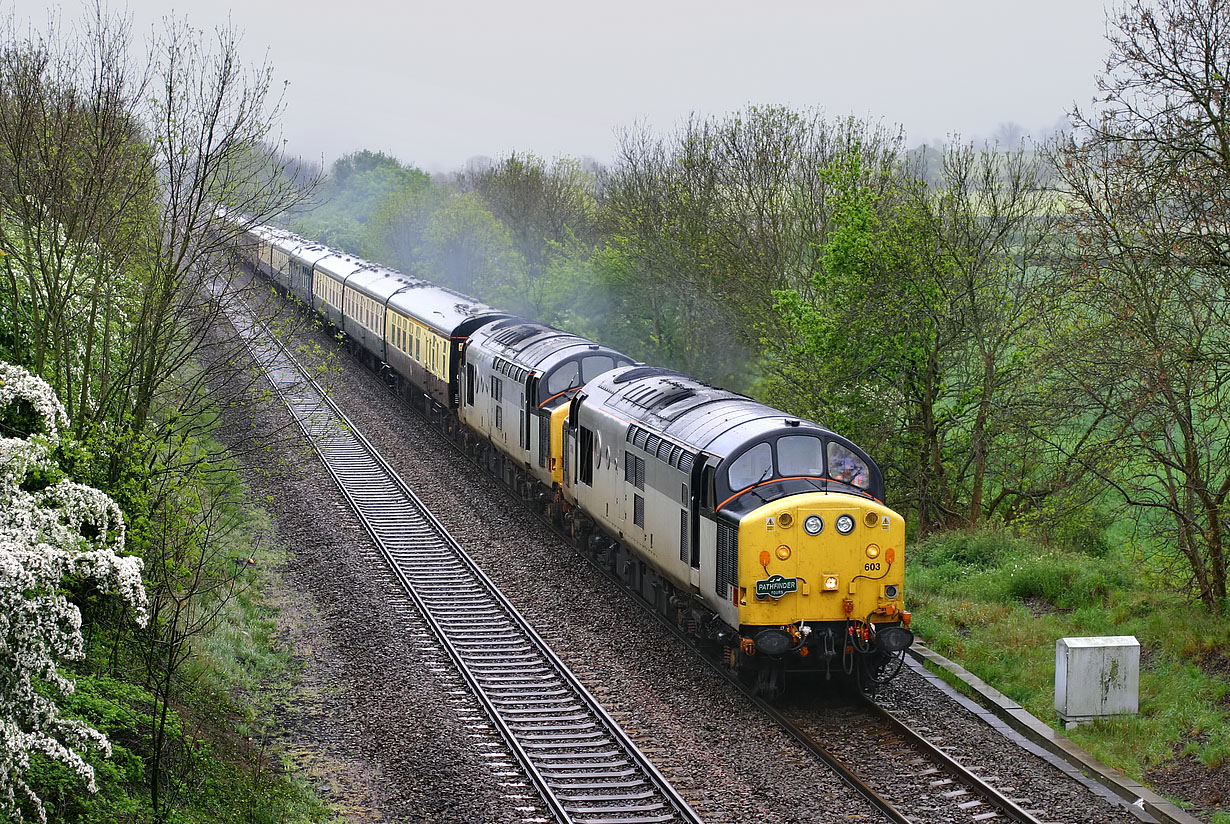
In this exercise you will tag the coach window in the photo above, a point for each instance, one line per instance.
(800, 455)
(752, 467)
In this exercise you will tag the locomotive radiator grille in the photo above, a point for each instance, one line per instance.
(727, 559)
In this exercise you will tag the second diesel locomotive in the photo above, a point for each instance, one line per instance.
(764, 535)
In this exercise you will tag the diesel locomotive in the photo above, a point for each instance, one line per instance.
(764, 536)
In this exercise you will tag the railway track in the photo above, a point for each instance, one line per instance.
(910, 773)
(585, 768)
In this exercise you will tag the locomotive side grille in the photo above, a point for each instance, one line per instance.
(544, 439)
(638, 511)
(685, 462)
(634, 470)
(685, 553)
(727, 559)
(664, 451)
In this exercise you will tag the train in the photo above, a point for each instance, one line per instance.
(762, 535)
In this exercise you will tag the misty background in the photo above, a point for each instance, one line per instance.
(436, 84)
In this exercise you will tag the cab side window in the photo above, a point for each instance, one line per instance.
(847, 467)
(752, 467)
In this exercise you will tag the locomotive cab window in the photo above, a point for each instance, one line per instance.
(800, 455)
(752, 467)
(595, 365)
(585, 456)
(846, 467)
(566, 376)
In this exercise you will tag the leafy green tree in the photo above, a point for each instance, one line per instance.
(468, 248)
(396, 230)
(918, 334)
(357, 185)
(543, 206)
(710, 221)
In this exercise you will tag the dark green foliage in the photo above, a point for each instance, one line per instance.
(121, 710)
(357, 185)
(19, 420)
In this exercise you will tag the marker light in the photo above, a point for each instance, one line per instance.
(813, 525)
(764, 557)
(830, 582)
(783, 552)
(785, 520)
(873, 551)
(844, 524)
(871, 519)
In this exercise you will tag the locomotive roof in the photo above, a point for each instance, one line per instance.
(534, 345)
(700, 416)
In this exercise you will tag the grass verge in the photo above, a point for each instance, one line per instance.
(998, 603)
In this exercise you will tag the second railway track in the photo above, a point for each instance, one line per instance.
(583, 765)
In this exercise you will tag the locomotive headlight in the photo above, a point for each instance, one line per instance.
(813, 525)
(783, 553)
(873, 551)
(844, 524)
(830, 582)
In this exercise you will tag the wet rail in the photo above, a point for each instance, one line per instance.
(904, 767)
(583, 765)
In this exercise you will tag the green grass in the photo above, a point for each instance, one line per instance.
(236, 672)
(998, 603)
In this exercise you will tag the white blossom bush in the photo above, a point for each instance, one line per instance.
(47, 533)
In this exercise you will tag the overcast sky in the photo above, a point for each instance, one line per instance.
(435, 83)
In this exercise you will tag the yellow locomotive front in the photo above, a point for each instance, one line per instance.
(821, 577)
(820, 559)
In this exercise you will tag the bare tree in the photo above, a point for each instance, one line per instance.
(1146, 352)
(117, 272)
